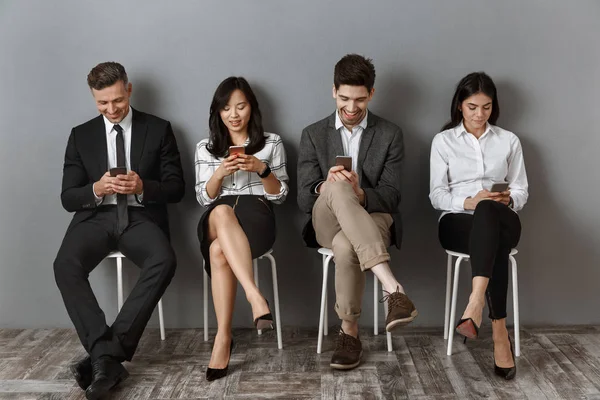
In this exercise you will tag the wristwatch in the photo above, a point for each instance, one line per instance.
(265, 173)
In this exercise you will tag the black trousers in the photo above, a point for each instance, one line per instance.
(83, 248)
(487, 236)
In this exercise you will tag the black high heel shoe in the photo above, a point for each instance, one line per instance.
(467, 328)
(264, 321)
(507, 373)
(218, 373)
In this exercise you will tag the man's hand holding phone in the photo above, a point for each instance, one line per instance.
(127, 183)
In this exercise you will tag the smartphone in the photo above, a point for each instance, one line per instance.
(345, 161)
(237, 150)
(499, 187)
(118, 171)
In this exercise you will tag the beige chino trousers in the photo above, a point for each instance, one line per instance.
(359, 241)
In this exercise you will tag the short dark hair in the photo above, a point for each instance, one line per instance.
(354, 70)
(219, 138)
(106, 74)
(475, 82)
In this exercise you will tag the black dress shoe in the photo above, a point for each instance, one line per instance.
(106, 374)
(218, 373)
(507, 373)
(82, 372)
(264, 321)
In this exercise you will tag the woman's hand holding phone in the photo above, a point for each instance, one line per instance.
(501, 197)
(228, 166)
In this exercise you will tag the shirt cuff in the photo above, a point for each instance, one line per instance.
(318, 186)
(140, 197)
(458, 203)
(97, 199)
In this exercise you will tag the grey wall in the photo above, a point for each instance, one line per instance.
(543, 55)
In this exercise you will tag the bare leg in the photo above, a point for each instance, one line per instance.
(383, 272)
(224, 285)
(502, 354)
(474, 309)
(350, 328)
(223, 224)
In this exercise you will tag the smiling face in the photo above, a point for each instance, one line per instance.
(476, 111)
(351, 103)
(236, 113)
(113, 101)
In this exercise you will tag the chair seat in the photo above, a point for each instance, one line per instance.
(464, 255)
(115, 254)
(325, 251)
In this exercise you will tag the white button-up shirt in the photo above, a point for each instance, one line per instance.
(462, 165)
(351, 139)
(242, 182)
(111, 147)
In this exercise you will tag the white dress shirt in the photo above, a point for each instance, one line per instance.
(242, 182)
(351, 139)
(111, 147)
(462, 165)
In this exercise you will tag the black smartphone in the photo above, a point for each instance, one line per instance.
(345, 161)
(499, 187)
(118, 171)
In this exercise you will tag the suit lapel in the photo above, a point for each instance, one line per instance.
(99, 144)
(334, 140)
(138, 138)
(365, 143)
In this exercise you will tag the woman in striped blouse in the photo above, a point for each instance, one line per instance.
(240, 171)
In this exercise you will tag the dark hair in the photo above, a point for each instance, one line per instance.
(354, 70)
(106, 74)
(219, 134)
(475, 82)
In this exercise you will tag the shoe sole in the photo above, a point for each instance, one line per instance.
(344, 367)
(401, 322)
(467, 329)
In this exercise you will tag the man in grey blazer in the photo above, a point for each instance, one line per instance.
(354, 211)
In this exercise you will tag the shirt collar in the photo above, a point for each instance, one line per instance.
(460, 129)
(339, 124)
(125, 122)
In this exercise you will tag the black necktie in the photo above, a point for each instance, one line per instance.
(123, 218)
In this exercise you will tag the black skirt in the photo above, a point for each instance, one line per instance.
(256, 217)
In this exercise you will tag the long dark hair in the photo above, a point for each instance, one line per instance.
(220, 140)
(475, 82)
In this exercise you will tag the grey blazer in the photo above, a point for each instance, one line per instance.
(380, 157)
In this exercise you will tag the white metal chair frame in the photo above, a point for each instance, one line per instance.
(450, 314)
(323, 329)
(119, 257)
(269, 256)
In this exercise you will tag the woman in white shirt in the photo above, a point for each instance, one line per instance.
(237, 190)
(467, 158)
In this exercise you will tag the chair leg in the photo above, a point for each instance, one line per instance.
(161, 320)
(385, 311)
(119, 283)
(323, 312)
(515, 290)
(205, 288)
(448, 288)
(255, 268)
(453, 309)
(375, 313)
(276, 296)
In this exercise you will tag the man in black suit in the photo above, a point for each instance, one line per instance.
(126, 212)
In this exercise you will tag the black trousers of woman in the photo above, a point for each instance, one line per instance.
(487, 236)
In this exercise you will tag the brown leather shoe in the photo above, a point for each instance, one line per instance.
(401, 310)
(347, 353)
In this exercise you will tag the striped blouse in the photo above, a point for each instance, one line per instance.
(242, 182)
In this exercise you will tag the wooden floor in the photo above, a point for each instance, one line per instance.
(556, 363)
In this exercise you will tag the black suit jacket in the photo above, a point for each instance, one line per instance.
(379, 167)
(154, 157)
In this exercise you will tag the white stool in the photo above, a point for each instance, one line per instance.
(450, 315)
(327, 256)
(119, 256)
(275, 294)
